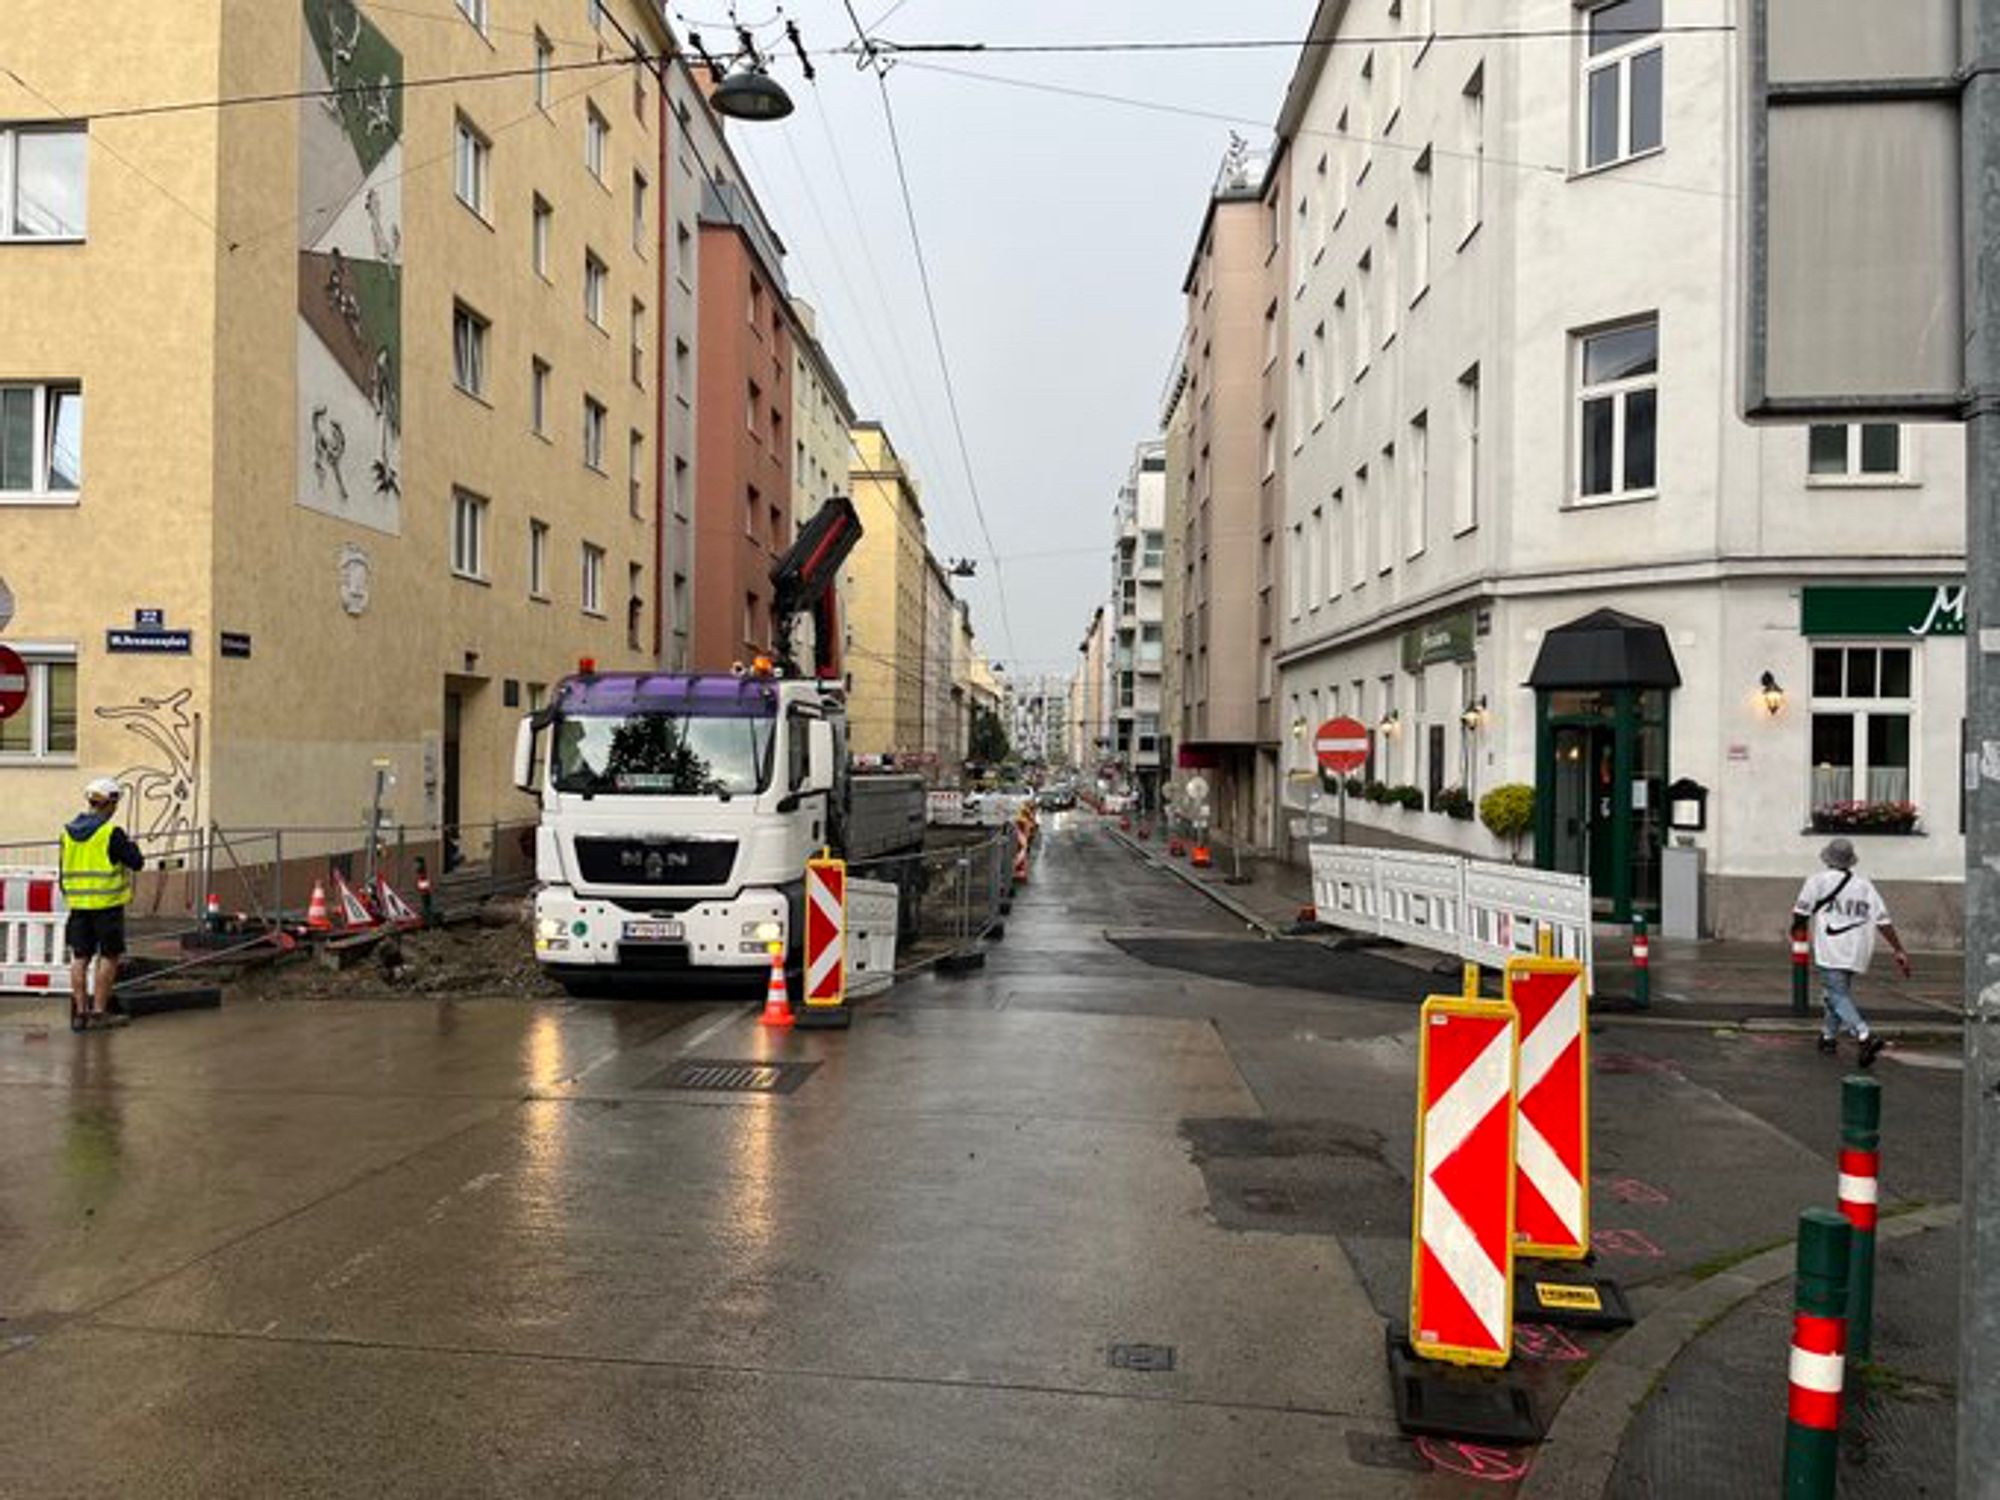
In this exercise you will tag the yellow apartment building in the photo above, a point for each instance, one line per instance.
(886, 604)
(327, 426)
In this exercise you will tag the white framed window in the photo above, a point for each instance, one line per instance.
(475, 12)
(1623, 82)
(44, 729)
(635, 603)
(1864, 704)
(596, 137)
(468, 535)
(1315, 552)
(1270, 446)
(41, 443)
(595, 279)
(545, 57)
(472, 159)
(1336, 371)
(641, 196)
(593, 579)
(1391, 263)
(44, 182)
(1855, 453)
(1336, 523)
(1358, 541)
(1417, 241)
(538, 397)
(1465, 480)
(1471, 154)
(1303, 413)
(1364, 343)
(593, 433)
(468, 350)
(538, 560)
(1295, 581)
(1270, 336)
(1618, 400)
(1417, 485)
(635, 472)
(1385, 512)
(638, 343)
(1320, 405)
(539, 235)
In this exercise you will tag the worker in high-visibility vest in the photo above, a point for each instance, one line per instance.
(98, 862)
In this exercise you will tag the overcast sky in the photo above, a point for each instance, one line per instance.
(1057, 230)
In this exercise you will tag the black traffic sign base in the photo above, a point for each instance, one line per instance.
(822, 1017)
(1568, 1296)
(1457, 1401)
(961, 963)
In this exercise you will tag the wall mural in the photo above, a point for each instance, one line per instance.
(350, 328)
(163, 791)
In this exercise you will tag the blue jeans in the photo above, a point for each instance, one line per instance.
(1841, 1012)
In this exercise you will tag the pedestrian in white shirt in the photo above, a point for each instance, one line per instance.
(1844, 911)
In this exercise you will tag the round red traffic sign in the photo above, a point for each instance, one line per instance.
(13, 682)
(1341, 745)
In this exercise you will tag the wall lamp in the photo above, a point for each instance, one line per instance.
(1474, 717)
(1392, 722)
(1299, 727)
(1772, 696)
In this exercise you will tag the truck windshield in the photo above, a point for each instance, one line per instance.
(664, 754)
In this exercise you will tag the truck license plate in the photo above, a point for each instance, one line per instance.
(654, 932)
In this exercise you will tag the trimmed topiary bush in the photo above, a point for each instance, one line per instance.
(1509, 813)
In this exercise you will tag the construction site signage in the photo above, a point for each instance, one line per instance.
(826, 933)
(1552, 1137)
(1462, 1225)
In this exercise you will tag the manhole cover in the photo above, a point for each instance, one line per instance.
(1150, 1358)
(727, 1076)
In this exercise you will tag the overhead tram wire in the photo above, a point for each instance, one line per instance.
(871, 47)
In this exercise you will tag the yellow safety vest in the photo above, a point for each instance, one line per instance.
(91, 879)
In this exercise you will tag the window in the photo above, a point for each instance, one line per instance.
(638, 343)
(596, 136)
(1417, 482)
(595, 279)
(1357, 547)
(538, 560)
(593, 579)
(1314, 523)
(41, 442)
(1622, 82)
(593, 433)
(756, 304)
(1336, 374)
(1295, 591)
(538, 397)
(1364, 345)
(45, 726)
(635, 472)
(538, 245)
(1270, 336)
(1863, 698)
(639, 197)
(43, 179)
(1472, 154)
(1304, 415)
(681, 488)
(750, 637)
(1270, 446)
(1391, 260)
(1152, 550)
(475, 12)
(1417, 243)
(680, 603)
(468, 535)
(1854, 453)
(545, 56)
(468, 350)
(753, 508)
(1336, 519)
(471, 159)
(683, 254)
(1465, 496)
(1385, 513)
(1618, 378)
(635, 603)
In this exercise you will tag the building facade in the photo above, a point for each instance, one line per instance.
(1039, 710)
(410, 475)
(886, 619)
(1527, 538)
(1090, 719)
(1139, 598)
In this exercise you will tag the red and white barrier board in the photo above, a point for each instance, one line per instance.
(826, 933)
(32, 914)
(1552, 1137)
(1462, 1229)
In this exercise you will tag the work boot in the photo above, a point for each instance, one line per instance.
(1829, 1045)
(1871, 1048)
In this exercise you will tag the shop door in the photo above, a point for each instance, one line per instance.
(454, 714)
(1585, 808)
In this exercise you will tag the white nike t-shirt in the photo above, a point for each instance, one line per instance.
(1844, 930)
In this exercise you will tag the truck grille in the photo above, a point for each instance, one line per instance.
(667, 862)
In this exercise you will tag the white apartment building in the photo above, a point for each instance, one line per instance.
(1526, 536)
(1138, 595)
(1038, 709)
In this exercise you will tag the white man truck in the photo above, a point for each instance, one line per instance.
(679, 809)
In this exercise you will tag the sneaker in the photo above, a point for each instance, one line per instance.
(1871, 1048)
(1829, 1045)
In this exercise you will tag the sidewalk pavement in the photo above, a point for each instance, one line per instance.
(1710, 980)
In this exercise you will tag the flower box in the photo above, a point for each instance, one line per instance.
(1865, 817)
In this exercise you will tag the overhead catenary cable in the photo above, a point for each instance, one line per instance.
(872, 47)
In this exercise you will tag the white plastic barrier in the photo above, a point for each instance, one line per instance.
(948, 810)
(32, 914)
(871, 937)
(1468, 908)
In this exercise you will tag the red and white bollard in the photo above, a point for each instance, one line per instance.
(1801, 971)
(1642, 965)
(1819, 1355)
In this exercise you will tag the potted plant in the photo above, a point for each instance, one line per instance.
(1407, 797)
(1509, 813)
(1865, 817)
(1455, 802)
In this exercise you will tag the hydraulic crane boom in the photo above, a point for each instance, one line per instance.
(803, 581)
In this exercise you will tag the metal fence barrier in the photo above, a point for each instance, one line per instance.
(1471, 909)
(950, 897)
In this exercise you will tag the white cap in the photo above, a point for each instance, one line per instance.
(104, 789)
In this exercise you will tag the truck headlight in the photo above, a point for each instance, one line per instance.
(763, 932)
(548, 927)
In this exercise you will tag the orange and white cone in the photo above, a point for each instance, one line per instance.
(316, 917)
(777, 1004)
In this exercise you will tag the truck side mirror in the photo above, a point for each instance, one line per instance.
(524, 756)
(819, 755)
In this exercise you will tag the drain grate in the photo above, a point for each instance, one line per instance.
(1148, 1358)
(731, 1076)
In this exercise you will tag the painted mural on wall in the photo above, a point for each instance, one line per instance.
(350, 328)
(162, 787)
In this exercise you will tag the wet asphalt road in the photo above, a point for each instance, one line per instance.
(475, 1247)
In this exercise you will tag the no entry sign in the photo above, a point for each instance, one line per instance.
(1342, 745)
(13, 682)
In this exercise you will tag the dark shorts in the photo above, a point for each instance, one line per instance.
(93, 932)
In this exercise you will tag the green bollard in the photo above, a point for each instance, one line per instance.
(1801, 971)
(1642, 965)
(1818, 1362)
(1860, 1178)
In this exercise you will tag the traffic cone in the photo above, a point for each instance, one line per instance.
(211, 915)
(316, 918)
(777, 1004)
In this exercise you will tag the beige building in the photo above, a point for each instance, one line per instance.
(1177, 427)
(886, 605)
(339, 417)
(822, 420)
(1090, 697)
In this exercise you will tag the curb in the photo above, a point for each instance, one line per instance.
(1228, 903)
(1576, 1459)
